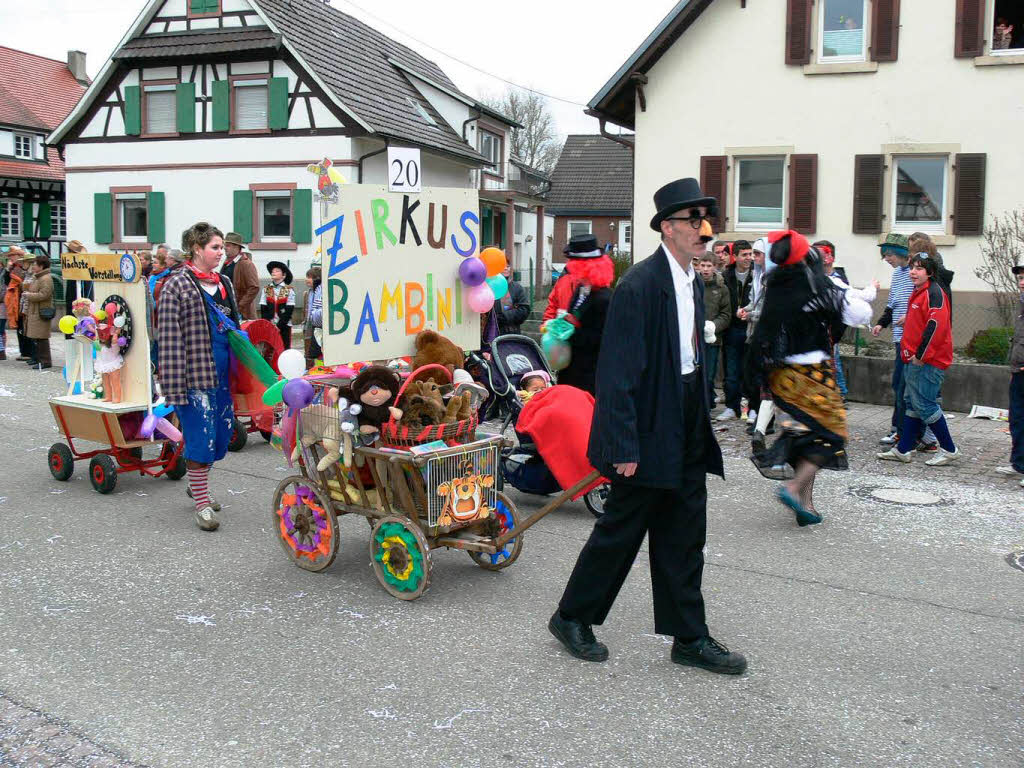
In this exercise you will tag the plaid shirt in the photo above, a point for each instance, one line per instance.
(183, 337)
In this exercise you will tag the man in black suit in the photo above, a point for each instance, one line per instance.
(652, 437)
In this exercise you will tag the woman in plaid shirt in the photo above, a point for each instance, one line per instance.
(196, 310)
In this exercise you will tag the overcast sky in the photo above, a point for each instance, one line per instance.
(566, 48)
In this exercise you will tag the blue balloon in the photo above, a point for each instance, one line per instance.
(298, 393)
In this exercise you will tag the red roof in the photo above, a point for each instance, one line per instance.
(35, 92)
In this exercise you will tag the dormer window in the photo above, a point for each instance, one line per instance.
(203, 8)
(23, 146)
(490, 147)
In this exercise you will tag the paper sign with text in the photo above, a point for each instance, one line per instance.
(390, 269)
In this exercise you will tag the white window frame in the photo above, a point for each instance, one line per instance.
(263, 194)
(498, 160)
(758, 226)
(906, 228)
(16, 218)
(820, 32)
(990, 14)
(627, 233)
(125, 197)
(25, 137)
(59, 220)
(568, 228)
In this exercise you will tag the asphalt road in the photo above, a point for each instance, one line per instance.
(890, 635)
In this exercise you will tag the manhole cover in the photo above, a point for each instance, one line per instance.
(896, 496)
(1016, 560)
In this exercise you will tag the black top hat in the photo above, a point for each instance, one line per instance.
(583, 247)
(284, 268)
(679, 194)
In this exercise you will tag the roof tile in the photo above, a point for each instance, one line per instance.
(35, 92)
(593, 173)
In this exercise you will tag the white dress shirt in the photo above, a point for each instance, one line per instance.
(682, 281)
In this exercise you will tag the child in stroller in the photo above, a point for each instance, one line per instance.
(517, 365)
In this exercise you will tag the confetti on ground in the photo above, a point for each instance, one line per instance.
(237, 493)
(206, 621)
(446, 724)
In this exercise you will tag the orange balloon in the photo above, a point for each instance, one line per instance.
(494, 259)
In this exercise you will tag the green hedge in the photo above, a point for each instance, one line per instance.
(991, 345)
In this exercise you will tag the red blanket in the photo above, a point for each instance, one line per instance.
(558, 419)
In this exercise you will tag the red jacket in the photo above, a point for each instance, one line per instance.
(927, 334)
(561, 295)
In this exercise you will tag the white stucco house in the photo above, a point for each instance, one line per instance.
(213, 109)
(842, 119)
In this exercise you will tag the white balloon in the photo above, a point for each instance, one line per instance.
(292, 364)
(119, 321)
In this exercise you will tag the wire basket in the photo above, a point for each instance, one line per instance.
(461, 486)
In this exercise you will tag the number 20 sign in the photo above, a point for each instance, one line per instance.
(403, 169)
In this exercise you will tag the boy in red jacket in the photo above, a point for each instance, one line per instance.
(926, 351)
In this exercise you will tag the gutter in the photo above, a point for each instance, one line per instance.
(630, 143)
(368, 155)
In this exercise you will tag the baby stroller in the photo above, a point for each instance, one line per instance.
(512, 355)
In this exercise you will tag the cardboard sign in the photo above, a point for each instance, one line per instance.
(404, 169)
(110, 267)
(390, 270)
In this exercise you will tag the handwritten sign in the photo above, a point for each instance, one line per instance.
(390, 270)
(112, 267)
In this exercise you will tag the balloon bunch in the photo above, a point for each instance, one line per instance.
(292, 390)
(482, 275)
(156, 421)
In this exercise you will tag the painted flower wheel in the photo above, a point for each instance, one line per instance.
(305, 523)
(507, 517)
(400, 556)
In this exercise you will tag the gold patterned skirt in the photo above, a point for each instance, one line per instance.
(812, 417)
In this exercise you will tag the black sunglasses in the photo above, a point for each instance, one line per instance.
(695, 218)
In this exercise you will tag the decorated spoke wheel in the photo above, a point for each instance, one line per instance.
(400, 556)
(507, 518)
(305, 523)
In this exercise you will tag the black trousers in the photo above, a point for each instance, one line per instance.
(26, 346)
(675, 521)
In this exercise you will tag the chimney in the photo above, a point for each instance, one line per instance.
(76, 63)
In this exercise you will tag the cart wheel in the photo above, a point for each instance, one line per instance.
(62, 464)
(239, 436)
(266, 435)
(508, 518)
(177, 470)
(595, 498)
(102, 473)
(306, 524)
(400, 556)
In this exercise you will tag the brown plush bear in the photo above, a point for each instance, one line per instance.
(458, 407)
(432, 347)
(420, 412)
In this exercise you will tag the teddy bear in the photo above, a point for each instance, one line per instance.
(432, 347)
(331, 426)
(422, 405)
(375, 389)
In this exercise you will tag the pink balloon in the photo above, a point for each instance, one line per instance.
(480, 298)
(168, 430)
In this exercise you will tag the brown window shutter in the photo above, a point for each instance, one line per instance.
(803, 193)
(885, 30)
(713, 174)
(969, 36)
(798, 31)
(969, 189)
(868, 179)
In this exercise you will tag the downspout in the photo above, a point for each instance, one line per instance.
(369, 155)
(604, 131)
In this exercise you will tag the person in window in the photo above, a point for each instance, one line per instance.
(513, 308)
(195, 310)
(277, 303)
(1002, 36)
(583, 291)
(40, 310)
(791, 350)
(314, 315)
(926, 351)
(239, 269)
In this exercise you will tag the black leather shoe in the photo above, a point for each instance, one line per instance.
(707, 653)
(578, 638)
(31, 363)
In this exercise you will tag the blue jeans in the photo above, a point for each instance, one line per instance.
(3, 334)
(710, 371)
(1017, 421)
(922, 385)
(732, 348)
(897, 389)
(840, 378)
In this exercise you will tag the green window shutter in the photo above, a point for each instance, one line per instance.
(186, 95)
(132, 110)
(27, 221)
(103, 210)
(302, 222)
(155, 217)
(221, 105)
(243, 214)
(203, 6)
(45, 228)
(278, 103)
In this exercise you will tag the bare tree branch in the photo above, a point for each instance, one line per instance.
(1002, 248)
(537, 143)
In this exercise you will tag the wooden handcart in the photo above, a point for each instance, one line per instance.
(415, 503)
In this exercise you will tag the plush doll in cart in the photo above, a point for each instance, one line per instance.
(110, 359)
